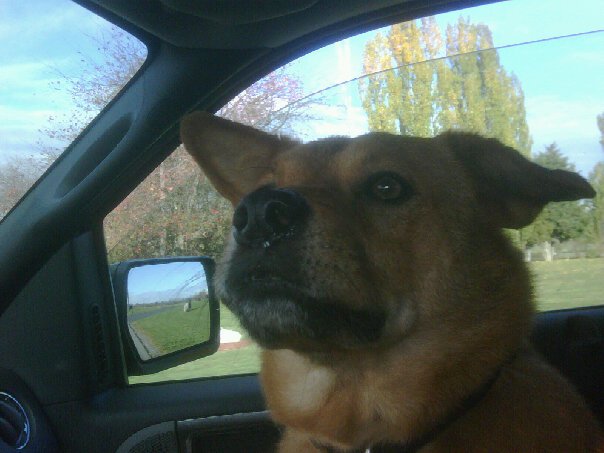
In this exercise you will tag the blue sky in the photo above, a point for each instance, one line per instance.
(39, 39)
(182, 279)
(44, 37)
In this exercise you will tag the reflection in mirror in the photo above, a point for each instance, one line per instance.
(168, 308)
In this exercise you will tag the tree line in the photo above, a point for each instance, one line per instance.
(418, 81)
(421, 81)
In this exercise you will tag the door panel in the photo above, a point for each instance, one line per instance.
(103, 423)
(573, 341)
(216, 414)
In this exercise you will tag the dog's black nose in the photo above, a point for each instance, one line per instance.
(267, 215)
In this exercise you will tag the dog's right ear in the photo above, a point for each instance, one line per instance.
(236, 158)
(512, 189)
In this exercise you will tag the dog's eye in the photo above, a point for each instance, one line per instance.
(389, 187)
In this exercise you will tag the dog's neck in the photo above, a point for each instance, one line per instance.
(399, 391)
(439, 426)
(345, 408)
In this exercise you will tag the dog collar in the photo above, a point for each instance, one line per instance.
(415, 445)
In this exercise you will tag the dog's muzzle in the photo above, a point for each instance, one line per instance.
(268, 215)
(266, 284)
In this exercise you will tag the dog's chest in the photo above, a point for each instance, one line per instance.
(293, 384)
(320, 401)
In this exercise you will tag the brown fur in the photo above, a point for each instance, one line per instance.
(456, 294)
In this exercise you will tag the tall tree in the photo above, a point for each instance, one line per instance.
(273, 104)
(16, 177)
(375, 89)
(175, 211)
(410, 90)
(596, 179)
(600, 122)
(558, 222)
(119, 57)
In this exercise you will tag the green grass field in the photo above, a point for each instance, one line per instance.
(568, 283)
(558, 284)
(139, 309)
(239, 361)
(173, 329)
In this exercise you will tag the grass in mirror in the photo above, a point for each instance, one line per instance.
(558, 285)
(225, 362)
(166, 329)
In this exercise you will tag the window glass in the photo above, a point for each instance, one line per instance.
(60, 65)
(176, 212)
(510, 70)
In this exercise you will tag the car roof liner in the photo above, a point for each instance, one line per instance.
(233, 24)
(230, 12)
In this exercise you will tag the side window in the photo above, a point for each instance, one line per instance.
(500, 70)
(176, 212)
(60, 64)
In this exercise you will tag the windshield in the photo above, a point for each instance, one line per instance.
(60, 65)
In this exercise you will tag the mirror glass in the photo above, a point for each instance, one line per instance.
(168, 307)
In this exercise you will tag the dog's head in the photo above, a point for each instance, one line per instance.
(352, 243)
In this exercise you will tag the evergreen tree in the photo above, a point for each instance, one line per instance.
(596, 179)
(558, 222)
(600, 121)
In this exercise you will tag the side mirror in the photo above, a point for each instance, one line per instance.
(167, 311)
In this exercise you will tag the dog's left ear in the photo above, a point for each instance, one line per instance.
(236, 158)
(513, 189)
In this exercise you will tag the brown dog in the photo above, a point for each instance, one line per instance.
(392, 310)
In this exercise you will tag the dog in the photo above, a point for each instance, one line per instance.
(392, 310)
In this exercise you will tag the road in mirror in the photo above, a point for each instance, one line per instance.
(168, 308)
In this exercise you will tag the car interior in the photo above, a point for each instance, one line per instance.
(64, 353)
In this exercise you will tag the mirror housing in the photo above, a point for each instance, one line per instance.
(175, 302)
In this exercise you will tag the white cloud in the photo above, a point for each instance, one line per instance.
(19, 133)
(27, 19)
(569, 123)
(23, 119)
(591, 57)
(42, 42)
(27, 103)
(31, 77)
(553, 118)
(333, 120)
